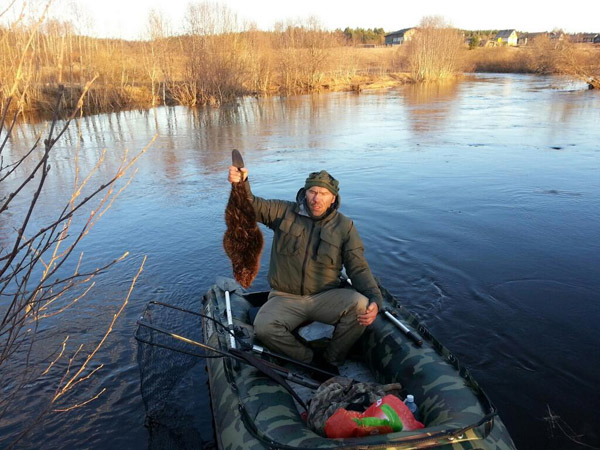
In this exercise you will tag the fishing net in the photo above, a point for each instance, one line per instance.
(173, 378)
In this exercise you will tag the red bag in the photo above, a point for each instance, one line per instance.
(341, 424)
(384, 416)
(408, 419)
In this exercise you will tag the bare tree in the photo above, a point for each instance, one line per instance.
(260, 61)
(41, 274)
(545, 54)
(216, 55)
(433, 52)
(317, 42)
(304, 54)
(157, 57)
(36, 282)
(550, 55)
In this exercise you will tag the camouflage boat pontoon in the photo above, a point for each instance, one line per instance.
(251, 411)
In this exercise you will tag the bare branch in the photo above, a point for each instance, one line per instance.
(92, 195)
(60, 354)
(10, 5)
(33, 286)
(79, 405)
(75, 379)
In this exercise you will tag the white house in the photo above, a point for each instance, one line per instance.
(507, 37)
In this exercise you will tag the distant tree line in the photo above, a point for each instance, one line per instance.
(475, 37)
(356, 36)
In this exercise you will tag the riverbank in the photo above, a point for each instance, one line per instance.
(103, 99)
(195, 71)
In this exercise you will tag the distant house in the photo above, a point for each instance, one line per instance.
(523, 39)
(587, 38)
(528, 38)
(507, 37)
(400, 37)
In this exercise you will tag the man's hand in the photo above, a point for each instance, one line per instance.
(236, 175)
(368, 317)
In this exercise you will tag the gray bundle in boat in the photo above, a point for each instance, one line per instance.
(340, 392)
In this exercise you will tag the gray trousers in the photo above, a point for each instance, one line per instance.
(284, 312)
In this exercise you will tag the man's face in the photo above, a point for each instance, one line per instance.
(319, 199)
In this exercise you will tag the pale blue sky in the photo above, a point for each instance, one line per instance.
(127, 18)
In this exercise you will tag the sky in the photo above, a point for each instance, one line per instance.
(127, 19)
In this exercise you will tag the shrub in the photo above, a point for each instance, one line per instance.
(433, 52)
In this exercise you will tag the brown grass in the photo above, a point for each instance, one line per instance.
(217, 67)
(541, 57)
(499, 59)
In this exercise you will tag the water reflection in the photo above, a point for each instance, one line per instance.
(193, 143)
(200, 140)
(430, 105)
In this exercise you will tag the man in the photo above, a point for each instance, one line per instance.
(312, 242)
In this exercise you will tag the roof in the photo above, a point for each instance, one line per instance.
(534, 34)
(505, 34)
(399, 32)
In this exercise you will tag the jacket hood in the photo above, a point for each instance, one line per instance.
(302, 209)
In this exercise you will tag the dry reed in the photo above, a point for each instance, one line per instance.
(219, 58)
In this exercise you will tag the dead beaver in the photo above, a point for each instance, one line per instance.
(243, 241)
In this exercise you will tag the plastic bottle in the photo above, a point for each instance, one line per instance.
(410, 403)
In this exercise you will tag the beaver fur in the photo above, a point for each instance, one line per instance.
(243, 241)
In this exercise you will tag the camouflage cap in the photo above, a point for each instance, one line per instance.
(322, 179)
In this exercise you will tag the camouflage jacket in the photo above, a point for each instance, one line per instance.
(308, 254)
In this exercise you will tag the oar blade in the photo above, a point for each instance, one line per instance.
(236, 159)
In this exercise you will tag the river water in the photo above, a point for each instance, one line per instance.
(478, 203)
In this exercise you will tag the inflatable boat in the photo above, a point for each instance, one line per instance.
(253, 411)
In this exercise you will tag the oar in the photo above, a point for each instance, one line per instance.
(261, 350)
(229, 320)
(409, 333)
(236, 159)
(235, 354)
(226, 284)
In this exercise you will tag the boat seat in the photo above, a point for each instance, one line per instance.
(314, 331)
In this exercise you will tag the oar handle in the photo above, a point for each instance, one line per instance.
(229, 320)
(263, 351)
(408, 332)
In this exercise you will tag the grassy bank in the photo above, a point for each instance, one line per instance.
(180, 70)
(545, 58)
(103, 98)
(217, 66)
